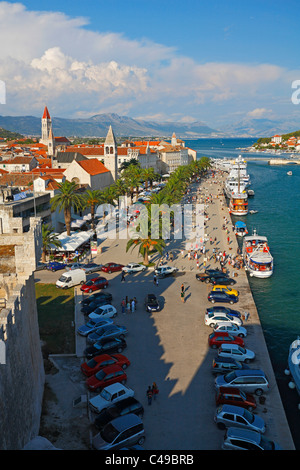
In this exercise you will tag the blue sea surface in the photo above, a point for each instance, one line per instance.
(277, 200)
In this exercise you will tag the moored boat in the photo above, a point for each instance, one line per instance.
(238, 204)
(257, 257)
(294, 364)
(240, 229)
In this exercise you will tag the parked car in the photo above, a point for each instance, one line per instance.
(104, 311)
(212, 319)
(71, 267)
(92, 325)
(91, 268)
(222, 297)
(94, 284)
(215, 339)
(97, 363)
(244, 439)
(112, 331)
(121, 408)
(209, 274)
(98, 296)
(151, 303)
(225, 281)
(234, 396)
(105, 346)
(223, 365)
(230, 415)
(112, 267)
(251, 381)
(55, 266)
(134, 268)
(164, 271)
(235, 351)
(87, 309)
(228, 290)
(41, 266)
(106, 376)
(223, 309)
(231, 328)
(109, 396)
(121, 432)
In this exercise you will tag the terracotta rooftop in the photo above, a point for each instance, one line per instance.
(93, 166)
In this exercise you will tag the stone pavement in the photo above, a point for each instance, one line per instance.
(170, 347)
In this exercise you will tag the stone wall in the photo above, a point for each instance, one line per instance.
(22, 374)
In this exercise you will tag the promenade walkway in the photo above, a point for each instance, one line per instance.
(171, 348)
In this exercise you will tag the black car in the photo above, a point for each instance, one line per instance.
(121, 408)
(92, 306)
(98, 296)
(223, 280)
(222, 297)
(151, 303)
(222, 365)
(105, 346)
(210, 274)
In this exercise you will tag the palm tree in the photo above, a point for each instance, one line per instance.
(148, 174)
(132, 161)
(92, 198)
(146, 246)
(132, 177)
(49, 240)
(67, 199)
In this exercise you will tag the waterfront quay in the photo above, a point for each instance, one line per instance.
(171, 347)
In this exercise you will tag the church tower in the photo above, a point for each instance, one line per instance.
(174, 140)
(46, 126)
(111, 153)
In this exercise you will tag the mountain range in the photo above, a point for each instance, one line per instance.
(97, 126)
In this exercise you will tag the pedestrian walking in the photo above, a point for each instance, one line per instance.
(128, 307)
(149, 395)
(123, 305)
(154, 279)
(182, 296)
(157, 282)
(155, 390)
(123, 276)
(132, 306)
(135, 302)
(182, 287)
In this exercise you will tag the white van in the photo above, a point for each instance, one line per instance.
(71, 278)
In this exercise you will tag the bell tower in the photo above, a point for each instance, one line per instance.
(111, 153)
(46, 126)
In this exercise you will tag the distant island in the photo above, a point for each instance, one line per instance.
(284, 143)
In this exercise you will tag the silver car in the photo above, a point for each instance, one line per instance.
(121, 432)
(228, 415)
(244, 439)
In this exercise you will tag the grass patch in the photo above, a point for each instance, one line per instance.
(56, 318)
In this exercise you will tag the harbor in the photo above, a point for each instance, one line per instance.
(171, 346)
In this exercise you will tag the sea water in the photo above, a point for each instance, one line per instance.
(277, 200)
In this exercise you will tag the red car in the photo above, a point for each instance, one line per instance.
(107, 376)
(97, 363)
(217, 338)
(94, 284)
(111, 267)
(236, 397)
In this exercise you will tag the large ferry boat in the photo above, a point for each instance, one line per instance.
(257, 257)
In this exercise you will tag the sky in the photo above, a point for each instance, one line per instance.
(217, 61)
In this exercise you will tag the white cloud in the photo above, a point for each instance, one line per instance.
(259, 113)
(51, 58)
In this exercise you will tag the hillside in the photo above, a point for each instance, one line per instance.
(5, 134)
(97, 126)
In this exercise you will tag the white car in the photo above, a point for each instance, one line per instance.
(133, 268)
(211, 319)
(234, 351)
(109, 396)
(104, 311)
(165, 270)
(231, 328)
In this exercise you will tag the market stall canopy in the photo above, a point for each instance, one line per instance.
(73, 241)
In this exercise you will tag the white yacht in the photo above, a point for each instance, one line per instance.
(257, 257)
(233, 186)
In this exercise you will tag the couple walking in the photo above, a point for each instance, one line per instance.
(152, 392)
